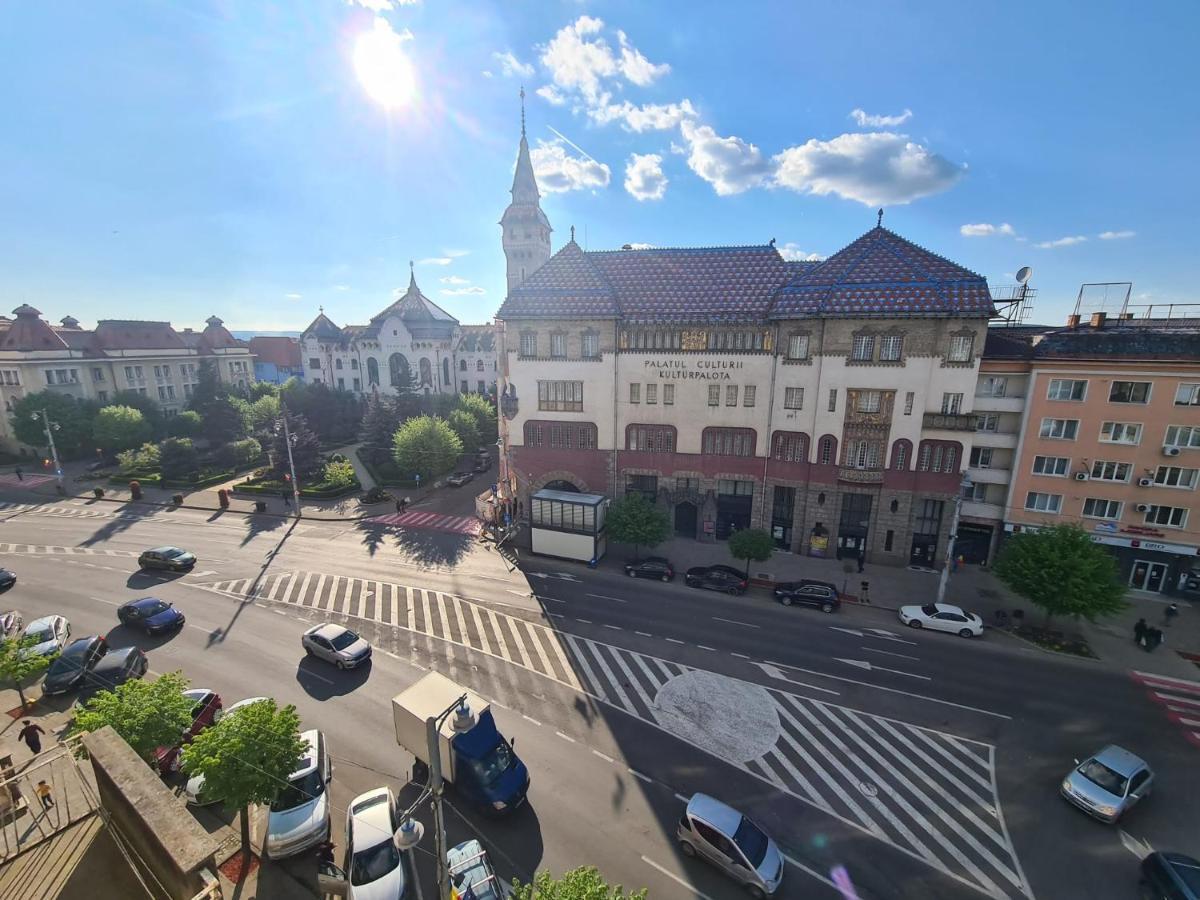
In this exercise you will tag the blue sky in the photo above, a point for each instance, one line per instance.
(257, 160)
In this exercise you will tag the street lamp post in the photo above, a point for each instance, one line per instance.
(51, 427)
(944, 578)
(287, 439)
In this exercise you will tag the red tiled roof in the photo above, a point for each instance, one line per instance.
(122, 334)
(28, 331)
(283, 352)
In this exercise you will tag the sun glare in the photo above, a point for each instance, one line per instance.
(382, 66)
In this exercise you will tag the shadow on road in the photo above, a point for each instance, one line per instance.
(127, 515)
(260, 524)
(123, 636)
(322, 681)
(149, 579)
(218, 634)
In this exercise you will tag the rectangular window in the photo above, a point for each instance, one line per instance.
(863, 349)
(981, 457)
(635, 393)
(1129, 392)
(992, 386)
(731, 391)
(714, 395)
(1051, 465)
(909, 397)
(951, 404)
(976, 492)
(1045, 503)
(731, 488)
(1121, 433)
(987, 422)
(560, 396)
(1167, 516)
(1110, 471)
(187, 391)
(102, 396)
(341, 382)
(728, 442)
(961, 346)
(358, 385)
(868, 401)
(793, 398)
(529, 343)
(354, 365)
(558, 345)
(337, 364)
(1187, 395)
(129, 373)
(1066, 389)
(668, 395)
(162, 392)
(13, 377)
(797, 346)
(1183, 436)
(650, 438)
(652, 393)
(1060, 429)
(833, 399)
(789, 447)
(1176, 477)
(463, 386)
(748, 395)
(313, 363)
(1099, 508)
(480, 387)
(589, 345)
(891, 346)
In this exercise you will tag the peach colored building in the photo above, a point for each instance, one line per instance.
(1110, 440)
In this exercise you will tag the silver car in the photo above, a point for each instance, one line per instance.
(337, 645)
(47, 635)
(1107, 785)
(735, 845)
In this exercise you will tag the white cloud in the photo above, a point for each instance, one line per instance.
(640, 245)
(985, 229)
(557, 171)
(294, 296)
(1116, 235)
(459, 292)
(340, 288)
(375, 6)
(635, 66)
(455, 252)
(875, 168)
(435, 261)
(579, 60)
(453, 279)
(551, 95)
(729, 164)
(647, 117)
(486, 74)
(644, 178)
(865, 119)
(792, 253)
(510, 65)
(1062, 242)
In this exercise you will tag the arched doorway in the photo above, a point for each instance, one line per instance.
(372, 370)
(446, 382)
(561, 485)
(685, 519)
(398, 369)
(426, 372)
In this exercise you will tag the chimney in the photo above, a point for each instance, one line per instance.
(1073, 321)
(1098, 319)
(627, 246)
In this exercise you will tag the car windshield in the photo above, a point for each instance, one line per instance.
(153, 609)
(1098, 773)
(172, 553)
(344, 640)
(930, 610)
(70, 661)
(41, 635)
(299, 791)
(751, 841)
(495, 764)
(374, 862)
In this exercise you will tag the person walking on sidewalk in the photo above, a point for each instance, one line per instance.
(286, 497)
(30, 735)
(44, 794)
(20, 473)
(1170, 613)
(1139, 631)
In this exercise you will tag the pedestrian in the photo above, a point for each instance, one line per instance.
(1154, 637)
(1170, 613)
(1139, 630)
(43, 792)
(861, 562)
(286, 497)
(20, 473)
(864, 595)
(29, 734)
(399, 505)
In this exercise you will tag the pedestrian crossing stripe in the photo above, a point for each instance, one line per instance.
(1179, 696)
(52, 550)
(932, 796)
(25, 481)
(430, 520)
(68, 512)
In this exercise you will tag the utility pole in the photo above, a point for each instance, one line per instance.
(287, 439)
(47, 424)
(944, 578)
(436, 788)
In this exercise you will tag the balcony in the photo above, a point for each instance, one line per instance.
(1003, 440)
(993, 475)
(948, 421)
(973, 509)
(999, 404)
(860, 476)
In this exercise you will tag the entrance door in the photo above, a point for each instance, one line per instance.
(1148, 576)
(924, 550)
(685, 520)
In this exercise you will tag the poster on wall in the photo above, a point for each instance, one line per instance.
(818, 545)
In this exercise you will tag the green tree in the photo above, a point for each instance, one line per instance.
(463, 424)
(485, 415)
(147, 406)
(179, 460)
(225, 420)
(751, 544)
(1062, 571)
(407, 400)
(306, 448)
(633, 519)
(380, 422)
(147, 714)
(246, 757)
(120, 427)
(584, 883)
(147, 456)
(209, 387)
(264, 413)
(339, 473)
(187, 424)
(335, 415)
(426, 446)
(18, 664)
(260, 389)
(73, 417)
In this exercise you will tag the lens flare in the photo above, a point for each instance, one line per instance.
(383, 68)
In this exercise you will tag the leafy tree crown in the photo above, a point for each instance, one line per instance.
(426, 446)
(1063, 571)
(751, 543)
(147, 714)
(584, 883)
(634, 520)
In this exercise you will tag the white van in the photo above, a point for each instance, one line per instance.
(300, 815)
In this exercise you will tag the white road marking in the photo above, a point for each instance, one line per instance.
(1176, 682)
(606, 597)
(813, 872)
(603, 756)
(698, 893)
(702, 647)
(1140, 849)
(614, 627)
(1176, 698)
(890, 653)
(739, 655)
(644, 633)
(770, 668)
(869, 667)
(311, 674)
(679, 796)
(636, 774)
(531, 719)
(735, 622)
(674, 641)
(584, 621)
(565, 737)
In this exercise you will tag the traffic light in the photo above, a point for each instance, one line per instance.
(287, 479)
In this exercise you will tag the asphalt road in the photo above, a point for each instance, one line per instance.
(925, 765)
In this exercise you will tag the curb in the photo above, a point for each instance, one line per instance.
(243, 512)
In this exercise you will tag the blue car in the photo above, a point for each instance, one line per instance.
(150, 614)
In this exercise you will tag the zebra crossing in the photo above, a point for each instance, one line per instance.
(68, 512)
(1180, 697)
(929, 794)
(430, 520)
(52, 550)
(10, 479)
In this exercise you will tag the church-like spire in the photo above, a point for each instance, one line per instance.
(526, 230)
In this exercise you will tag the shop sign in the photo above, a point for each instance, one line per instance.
(706, 369)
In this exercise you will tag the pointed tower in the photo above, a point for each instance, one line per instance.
(526, 230)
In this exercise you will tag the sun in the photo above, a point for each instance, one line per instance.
(382, 66)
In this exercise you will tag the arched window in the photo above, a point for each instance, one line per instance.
(462, 365)
(901, 454)
(426, 371)
(790, 446)
(479, 365)
(398, 369)
(939, 456)
(446, 371)
(827, 450)
(727, 441)
(372, 371)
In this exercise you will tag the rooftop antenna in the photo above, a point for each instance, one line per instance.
(522, 110)
(1012, 300)
(879, 221)
(572, 234)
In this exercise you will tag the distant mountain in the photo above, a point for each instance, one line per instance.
(246, 335)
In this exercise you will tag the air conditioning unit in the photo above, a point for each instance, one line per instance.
(1081, 476)
(1145, 482)
(1170, 451)
(1143, 507)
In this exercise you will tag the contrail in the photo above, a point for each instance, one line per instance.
(563, 137)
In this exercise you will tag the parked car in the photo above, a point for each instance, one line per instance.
(375, 868)
(11, 624)
(658, 567)
(337, 645)
(116, 668)
(807, 592)
(721, 835)
(471, 872)
(942, 617)
(717, 578)
(7, 580)
(483, 463)
(205, 712)
(1107, 785)
(1169, 876)
(299, 816)
(48, 634)
(193, 792)
(73, 664)
(170, 558)
(150, 614)
(458, 479)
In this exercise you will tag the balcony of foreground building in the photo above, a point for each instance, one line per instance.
(989, 404)
(854, 475)
(954, 422)
(990, 475)
(1004, 440)
(973, 509)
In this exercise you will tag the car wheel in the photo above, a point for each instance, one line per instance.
(914, 624)
(786, 601)
(733, 592)
(340, 664)
(966, 632)
(687, 849)
(755, 891)
(665, 578)
(826, 607)
(308, 651)
(631, 573)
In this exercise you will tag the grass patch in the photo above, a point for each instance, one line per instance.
(1049, 639)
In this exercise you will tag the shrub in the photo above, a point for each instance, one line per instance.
(339, 473)
(146, 456)
(180, 459)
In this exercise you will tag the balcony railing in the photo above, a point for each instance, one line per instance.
(949, 421)
(860, 476)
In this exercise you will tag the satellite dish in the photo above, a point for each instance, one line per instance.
(1024, 274)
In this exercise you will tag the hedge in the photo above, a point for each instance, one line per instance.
(315, 492)
(145, 479)
(200, 483)
(387, 475)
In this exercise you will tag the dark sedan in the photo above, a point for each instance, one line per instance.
(657, 567)
(717, 578)
(150, 614)
(807, 592)
(73, 664)
(7, 580)
(170, 558)
(118, 667)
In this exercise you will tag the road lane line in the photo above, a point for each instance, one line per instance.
(606, 597)
(679, 796)
(889, 653)
(636, 774)
(584, 621)
(614, 627)
(530, 718)
(738, 655)
(644, 633)
(603, 756)
(311, 674)
(702, 647)
(820, 769)
(674, 641)
(735, 622)
(814, 873)
(688, 886)
(897, 734)
(565, 737)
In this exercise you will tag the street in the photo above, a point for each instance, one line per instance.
(920, 764)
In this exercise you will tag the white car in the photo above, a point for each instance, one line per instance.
(336, 644)
(300, 814)
(942, 617)
(194, 792)
(50, 634)
(376, 869)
